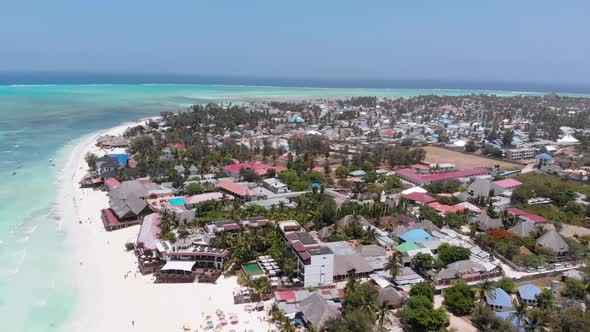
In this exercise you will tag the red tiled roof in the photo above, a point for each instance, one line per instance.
(288, 296)
(110, 217)
(298, 246)
(259, 168)
(527, 215)
(112, 183)
(231, 227)
(304, 255)
(445, 208)
(508, 183)
(235, 188)
(420, 197)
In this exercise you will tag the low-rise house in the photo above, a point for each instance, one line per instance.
(191, 202)
(390, 296)
(406, 277)
(315, 310)
(469, 270)
(237, 190)
(258, 168)
(484, 222)
(498, 300)
(255, 222)
(275, 185)
(415, 235)
(528, 294)
(502, 186)
(480, 188)
(222, 226)
(419, 198)
(526, 216)
(553, 242)
(358, 173)
(107, 164)
(406, 246)
(523, 228)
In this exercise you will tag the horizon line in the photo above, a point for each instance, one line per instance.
(292, 82)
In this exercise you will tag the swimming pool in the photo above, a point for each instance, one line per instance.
(252, 269)
(177, 201)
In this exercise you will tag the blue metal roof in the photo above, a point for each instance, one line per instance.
(498, 297)
(528, 291)
(121, 158)
(509, 316)
(543, 156)
(416, 235)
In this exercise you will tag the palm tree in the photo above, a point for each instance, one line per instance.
(520, 314)
(534, 321)
(484, 288)
(370, 236)
(546, 303)
(261, 286)
(392, 265)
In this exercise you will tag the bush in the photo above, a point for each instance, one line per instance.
(506, 284)
(449, 254)
(425, 289)
(574, 289)
(460, 298)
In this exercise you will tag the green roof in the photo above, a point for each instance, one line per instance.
(406, 246)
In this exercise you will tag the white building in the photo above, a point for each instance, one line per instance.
(315, 263)
(275, 185)
(521, 154)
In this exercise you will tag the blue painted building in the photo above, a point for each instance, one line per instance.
(498, 300)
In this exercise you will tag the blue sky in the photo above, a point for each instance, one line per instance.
(534, 41)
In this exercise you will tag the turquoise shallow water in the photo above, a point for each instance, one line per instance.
(39, 123)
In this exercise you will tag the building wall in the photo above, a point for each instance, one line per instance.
(521, 154)
(320, 271)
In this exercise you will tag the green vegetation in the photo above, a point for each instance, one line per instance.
(419, 315)
(507, 284)
(425, 289)
(449, 254)
(360, 309)
(488, 321)
(562, 192)
(460, 298)
(574, 289)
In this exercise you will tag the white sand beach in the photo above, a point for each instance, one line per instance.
(113, 295)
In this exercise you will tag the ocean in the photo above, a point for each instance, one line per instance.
(39, 125)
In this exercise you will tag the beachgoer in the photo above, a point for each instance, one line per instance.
(132, 323)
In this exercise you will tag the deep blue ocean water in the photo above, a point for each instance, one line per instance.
(43, 116)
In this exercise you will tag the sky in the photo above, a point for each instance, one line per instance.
(524, 41)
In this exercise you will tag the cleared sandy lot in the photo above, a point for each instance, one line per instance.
(436, 155)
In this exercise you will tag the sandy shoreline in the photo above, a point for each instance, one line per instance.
(112, 295)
